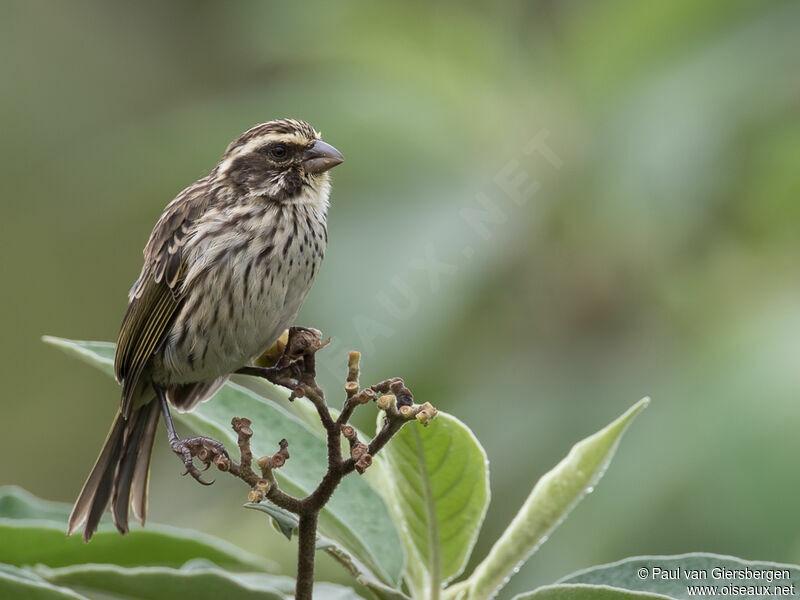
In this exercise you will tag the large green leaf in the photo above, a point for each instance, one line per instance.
(33, 532)
(156, 583)
(677, 576)
(438, 486)
(16, 583)
(27, 542)
(585, 592)
(17, 503)
(356, 517)
(197, 580)
(548, 504)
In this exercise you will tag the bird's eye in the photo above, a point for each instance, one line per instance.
(278, 152)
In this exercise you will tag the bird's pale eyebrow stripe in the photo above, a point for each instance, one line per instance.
(258, 142)
(263, 140)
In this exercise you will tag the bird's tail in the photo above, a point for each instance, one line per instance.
(120, 474)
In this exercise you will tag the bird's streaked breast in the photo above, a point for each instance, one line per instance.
(249, 268)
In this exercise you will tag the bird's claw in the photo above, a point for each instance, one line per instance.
(195, 473)
(205, 448)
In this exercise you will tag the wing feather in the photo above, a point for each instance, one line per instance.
(146, 323)
(158, 294)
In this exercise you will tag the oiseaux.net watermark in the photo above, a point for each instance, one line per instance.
(724, 582)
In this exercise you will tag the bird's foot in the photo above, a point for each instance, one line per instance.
(284, 376)
(295, 367)
(207, 450)
(302, 342)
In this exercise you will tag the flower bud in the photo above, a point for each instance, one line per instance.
(358, 451)
(353, 360)
(363, 463)
(255, 496)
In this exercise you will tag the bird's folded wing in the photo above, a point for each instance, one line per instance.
(146, 322)
(158, 294)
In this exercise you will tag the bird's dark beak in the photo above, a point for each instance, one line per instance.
(321, 157)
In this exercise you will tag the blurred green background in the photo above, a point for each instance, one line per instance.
(658, 259)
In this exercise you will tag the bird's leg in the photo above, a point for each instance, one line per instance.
(189, 447)
(284, 376)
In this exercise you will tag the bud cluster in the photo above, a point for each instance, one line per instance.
(276, 461)
(391, 404)
(359, 451)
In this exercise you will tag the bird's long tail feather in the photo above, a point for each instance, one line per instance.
(121, 472)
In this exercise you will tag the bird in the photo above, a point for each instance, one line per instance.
(226, 269)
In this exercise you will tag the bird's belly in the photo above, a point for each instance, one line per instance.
(230, 324)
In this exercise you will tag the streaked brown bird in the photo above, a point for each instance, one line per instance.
(226, 269)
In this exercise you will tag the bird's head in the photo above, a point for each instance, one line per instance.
(278, 159)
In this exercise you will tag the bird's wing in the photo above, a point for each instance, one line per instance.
(146, 322)
(158, 293)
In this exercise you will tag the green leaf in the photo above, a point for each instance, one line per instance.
(97, 354)
(16, 583)
(17, 503)
(438, 487)
(26, 542)
(196, 580)
(585, 592)
(33, 531)
(672, 576)
(548, 504)
(283, 521)
(356, 517)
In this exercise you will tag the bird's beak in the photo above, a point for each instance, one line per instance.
(321, 157)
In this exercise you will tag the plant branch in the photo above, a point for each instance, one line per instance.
(307, 541)
(295, 369)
